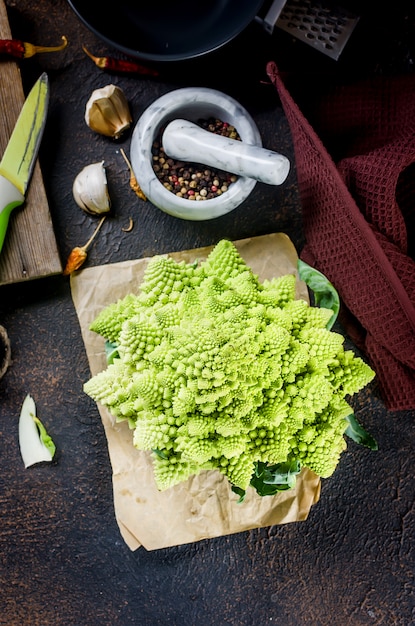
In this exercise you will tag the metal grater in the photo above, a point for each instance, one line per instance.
(325, 28)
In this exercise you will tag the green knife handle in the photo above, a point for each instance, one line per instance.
(10, 197)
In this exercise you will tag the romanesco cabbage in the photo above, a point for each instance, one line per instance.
(216, 370)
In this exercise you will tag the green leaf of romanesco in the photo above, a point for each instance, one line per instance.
(356, 432)
(325, 294)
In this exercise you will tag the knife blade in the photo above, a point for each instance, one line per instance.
(20, 156)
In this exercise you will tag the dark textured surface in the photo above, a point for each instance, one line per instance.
(62, 559)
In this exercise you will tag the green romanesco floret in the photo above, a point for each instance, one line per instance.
(278, 291)
(171, 469)
(156, 432)
(165, 279)
(225, 262)
(109, 322)
(350, 373)
(138, 337)
(216, 370)
(238, 469)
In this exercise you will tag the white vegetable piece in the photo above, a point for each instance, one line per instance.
(32, 447)
(90, 189)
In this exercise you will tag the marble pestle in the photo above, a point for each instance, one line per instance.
(185, 141)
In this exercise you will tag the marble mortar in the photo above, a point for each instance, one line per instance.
(190, 104)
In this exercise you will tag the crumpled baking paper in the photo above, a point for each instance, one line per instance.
(204, 506)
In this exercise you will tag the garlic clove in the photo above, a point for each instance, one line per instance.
(107, 112)
(90, 189)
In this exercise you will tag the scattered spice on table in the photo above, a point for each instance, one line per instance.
(78, 255)
(23, 50)
(129, 228)
(133, 180)
(194, 181)
(5, 351)
(121, 65)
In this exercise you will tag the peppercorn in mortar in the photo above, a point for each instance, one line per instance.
(194, 181)
(215, 370)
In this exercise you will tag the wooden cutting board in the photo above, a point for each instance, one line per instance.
(29, 250)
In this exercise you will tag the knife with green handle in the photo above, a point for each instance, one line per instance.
(21, 152)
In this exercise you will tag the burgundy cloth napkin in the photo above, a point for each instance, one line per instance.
(359, 215)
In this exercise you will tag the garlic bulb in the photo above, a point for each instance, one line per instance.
(90, 189)
(107, 111)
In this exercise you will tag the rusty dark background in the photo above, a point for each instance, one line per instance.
(63, 561)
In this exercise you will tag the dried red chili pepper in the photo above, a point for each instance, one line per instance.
(121, 65)
(78, 255)
(23, 50)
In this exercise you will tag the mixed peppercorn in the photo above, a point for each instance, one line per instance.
(194, 181)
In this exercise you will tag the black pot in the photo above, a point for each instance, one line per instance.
(164, 30)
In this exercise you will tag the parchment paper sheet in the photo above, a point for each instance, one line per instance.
(204, 506)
